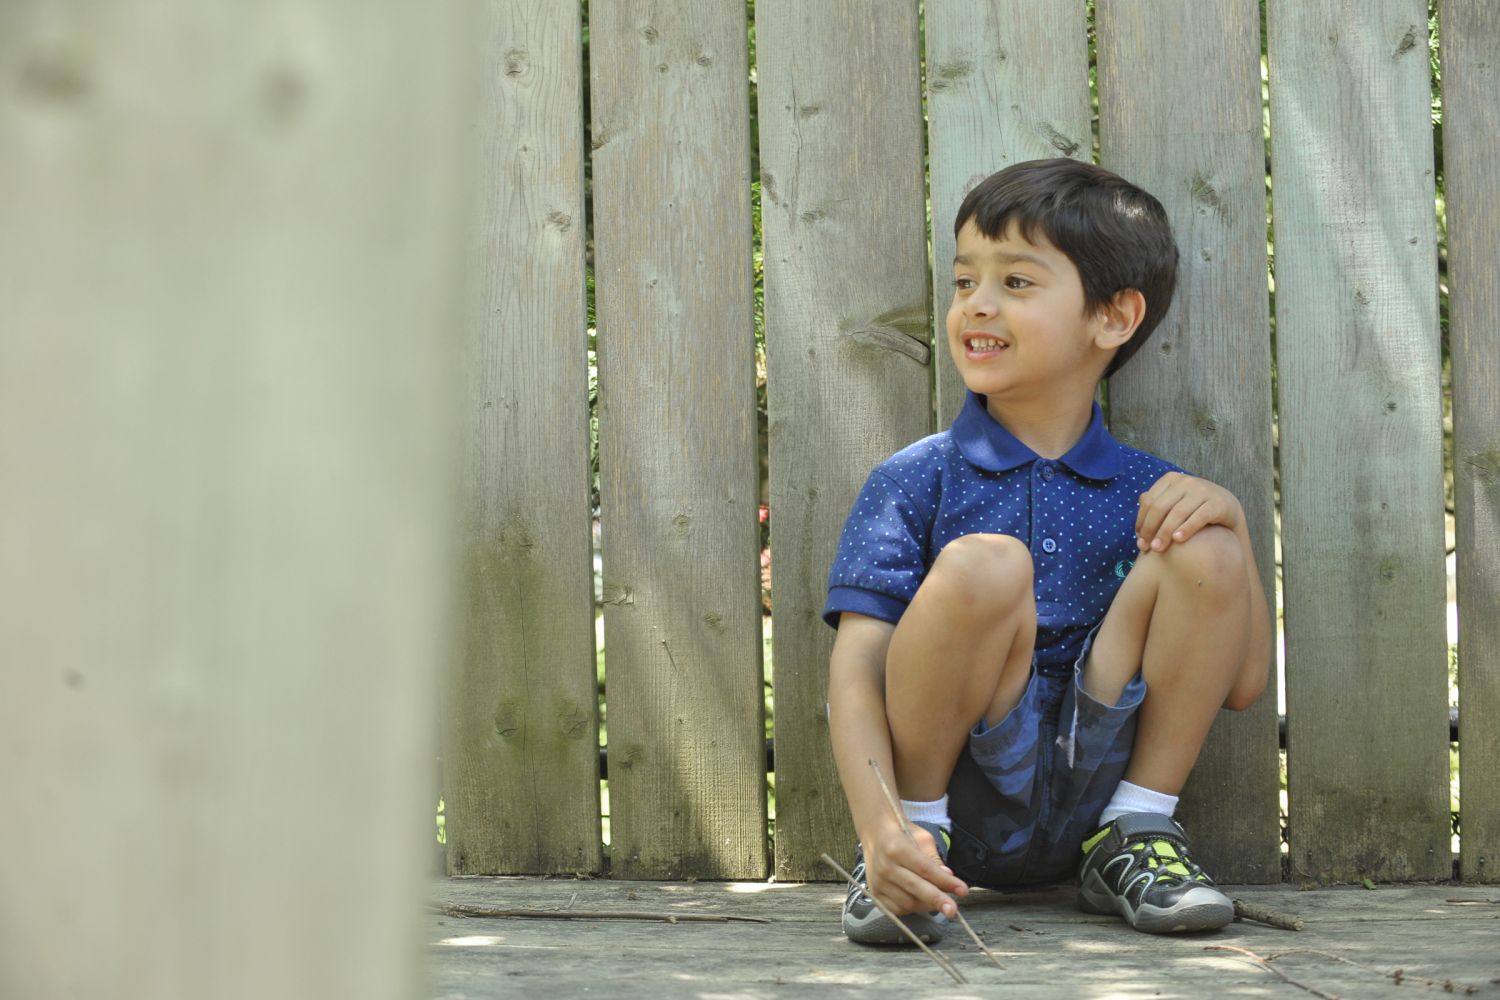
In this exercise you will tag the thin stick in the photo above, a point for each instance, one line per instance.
(466, 910)
(1270, 968)
(1398, 975)
(942, 961)
(890, 798)
(1265, 915)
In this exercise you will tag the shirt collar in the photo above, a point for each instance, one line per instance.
(986, 443)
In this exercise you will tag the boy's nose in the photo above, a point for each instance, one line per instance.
(980, 303)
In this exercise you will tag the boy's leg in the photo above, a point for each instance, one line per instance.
(962, 651)
(1181, 618)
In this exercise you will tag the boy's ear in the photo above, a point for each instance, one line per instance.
(1119, 318)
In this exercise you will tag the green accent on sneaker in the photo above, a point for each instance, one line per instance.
(1165, 851)
(1100, 834)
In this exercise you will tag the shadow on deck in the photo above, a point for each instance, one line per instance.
(1396, 941)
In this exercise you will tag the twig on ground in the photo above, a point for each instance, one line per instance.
(906, 828)
(1265, 915)
(466, 910)
(943, 962)
(1398, 976)
(1265, 964)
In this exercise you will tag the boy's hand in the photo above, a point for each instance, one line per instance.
(908, 877)
(1177, 506)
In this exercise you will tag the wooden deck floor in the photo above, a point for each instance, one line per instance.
(1353, 942)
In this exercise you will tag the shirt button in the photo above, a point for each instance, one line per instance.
(1048, 472)
(1049, 546)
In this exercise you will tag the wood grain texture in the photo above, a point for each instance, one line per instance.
(1199, 392)
(1051, 951)
(847, 330)
(520, 714)
(678, 466)
(1361, 444)
(1471, 144)
(230, 270)
(1005, 83)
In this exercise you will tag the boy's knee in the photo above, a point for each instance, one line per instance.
(1242, 697)
(983, 573)
(1212, 561)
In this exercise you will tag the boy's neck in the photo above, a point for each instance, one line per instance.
(1047, 428)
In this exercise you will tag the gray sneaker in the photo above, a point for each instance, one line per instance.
(1138, 867)
(864, 923)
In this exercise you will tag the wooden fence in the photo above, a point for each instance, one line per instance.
(850, 285)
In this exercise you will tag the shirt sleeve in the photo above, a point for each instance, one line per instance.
(882, 554)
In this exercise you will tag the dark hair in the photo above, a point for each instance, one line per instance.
(1116, 234)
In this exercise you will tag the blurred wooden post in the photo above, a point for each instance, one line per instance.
(228, 276)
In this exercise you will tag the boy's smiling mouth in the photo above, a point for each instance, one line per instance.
(979, 345)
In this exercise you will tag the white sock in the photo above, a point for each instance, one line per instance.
(1130, 798)
(934, 812)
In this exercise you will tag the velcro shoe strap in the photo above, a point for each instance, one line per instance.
(1144, 826)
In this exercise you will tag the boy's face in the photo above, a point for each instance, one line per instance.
(1017, 329)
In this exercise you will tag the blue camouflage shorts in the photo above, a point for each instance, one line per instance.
(1028, 790)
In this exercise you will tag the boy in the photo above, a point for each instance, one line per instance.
(1036, 624)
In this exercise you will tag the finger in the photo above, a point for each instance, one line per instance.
(906, 892)
(1176, 517)
(921, 881)
(1153, 514)
(929, 864)
(1200, 518)
(896, 878)
(930, 896)
(1153, 496)
(1147, 499)
(1162, 494)
(940, 885)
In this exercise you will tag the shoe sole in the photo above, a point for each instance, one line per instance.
(878, 928)
(1202, 909)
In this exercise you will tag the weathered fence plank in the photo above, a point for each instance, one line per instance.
(1361, 445)
(678, 468)
(520, 714)
(1471, 145)
(1200, 391)
(846, 341)
(1005, 83)
(229, 273)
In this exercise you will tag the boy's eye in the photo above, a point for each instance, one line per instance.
(963, 283)
(1016, 281)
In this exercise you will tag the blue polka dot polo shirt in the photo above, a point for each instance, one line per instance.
(1076, 514)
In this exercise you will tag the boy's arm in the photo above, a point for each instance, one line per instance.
(905, 877)
(1173, 510)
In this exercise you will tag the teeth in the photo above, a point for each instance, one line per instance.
(983, 343)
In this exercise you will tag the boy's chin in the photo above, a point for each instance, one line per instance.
(981, 386)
